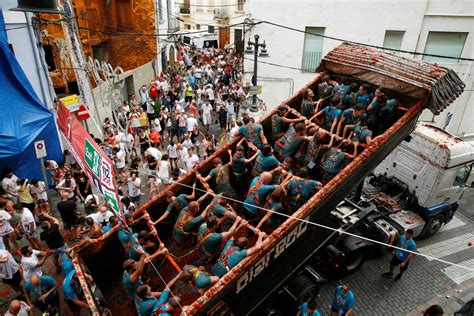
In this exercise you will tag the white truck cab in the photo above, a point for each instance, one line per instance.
(432, 166)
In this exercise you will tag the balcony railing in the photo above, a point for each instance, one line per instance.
(184, 9)
(311, 60)
(173, 25)
(221, 14)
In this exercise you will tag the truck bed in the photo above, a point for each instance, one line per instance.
(295, 242)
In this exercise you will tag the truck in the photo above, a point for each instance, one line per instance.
(321, 236)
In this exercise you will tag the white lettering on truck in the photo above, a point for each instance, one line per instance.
(263, 262)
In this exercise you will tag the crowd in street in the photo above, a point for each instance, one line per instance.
(160, 134)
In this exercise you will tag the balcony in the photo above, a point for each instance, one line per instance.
(184, 9)
(173, 25)
(221, 14)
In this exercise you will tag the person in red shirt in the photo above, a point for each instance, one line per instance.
(193, 106)
(155, 138)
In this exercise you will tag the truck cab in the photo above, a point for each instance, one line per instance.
(427, 174)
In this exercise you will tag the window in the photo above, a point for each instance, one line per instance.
(463, 175)
(240, 5)
(124, 18)
(49, 57)
(445, 44)
(393, 39)
(160, 12)
(313, 48)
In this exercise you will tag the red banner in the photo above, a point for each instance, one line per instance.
(92, 159)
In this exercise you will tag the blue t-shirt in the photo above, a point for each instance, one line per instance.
(264, 163)
(161, 305)
(46, 284)
(71, 291)
(361, 133)
(331, 114)
(343, 302)
(177, 204)
(130, 287)
(405, 244)
(259, 195)
(333, 161)
(230, 257)
(304, 311)
(202, 279)
(66, 265)
(132, 252)
(276, 219)
(351, 119)
(209, 244)
(185, 224)
(124, 236)
(365, 99)
(307, 108)
(251, 132)
(300, 191)
(238, 166)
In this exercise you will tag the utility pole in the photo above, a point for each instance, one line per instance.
(256, 46)
(74, 45)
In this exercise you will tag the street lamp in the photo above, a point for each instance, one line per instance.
(263, 53)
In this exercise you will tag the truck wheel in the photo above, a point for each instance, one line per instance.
(356, 259)
(432, 226)
(303, 288)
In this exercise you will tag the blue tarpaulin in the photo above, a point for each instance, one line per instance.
(23, 120)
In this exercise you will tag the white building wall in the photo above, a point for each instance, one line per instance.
(363, 21)
(22, 39)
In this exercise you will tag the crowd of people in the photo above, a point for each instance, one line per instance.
(156, 137)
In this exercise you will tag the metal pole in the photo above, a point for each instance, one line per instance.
(45, 177)
(254, 107)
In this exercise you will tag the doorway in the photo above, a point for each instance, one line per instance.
(224, 37)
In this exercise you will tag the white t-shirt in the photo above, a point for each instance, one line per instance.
(156, 153)
(210, 94)
(24, 310)
(129, 141)
(120, 163)
(233, 132)
(126, 210)
(133, 191)
(40, 191)
(191, 122)
(191, 162)
(206, 109)
(120, 140)
(172, 151)
(73, 187)
(101, 218)
(9, 185)
(29, 265)
(26, 219)
(156, 125)
(5, 227)
(187, 143)
(70, 160)
(163, 171)
(9, 268)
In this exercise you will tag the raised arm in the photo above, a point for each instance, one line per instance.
(251, 158)
(339, 126)
(231, 231)
(258, 244)
(193, 194)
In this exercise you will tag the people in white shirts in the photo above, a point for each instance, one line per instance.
(164, 170)
(10, 271)
(191, 123)
(127, 206)
(28, 224)
(173, 154)
(67, 185)
(206, 114)
(155, 152)
(119, 157)
(9, 184)
(32, 260)
(191, 160)
(38, 190)
(102, 216)
(7, 232)
(134, 188)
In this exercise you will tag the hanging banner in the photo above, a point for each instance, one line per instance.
(89, 155)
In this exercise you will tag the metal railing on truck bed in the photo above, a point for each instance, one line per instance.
(417, 84)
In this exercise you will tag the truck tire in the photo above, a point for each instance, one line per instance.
(303, 288)
(355, 259)
(432, 226)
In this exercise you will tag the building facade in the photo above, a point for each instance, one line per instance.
(425, 26)
(220, 14)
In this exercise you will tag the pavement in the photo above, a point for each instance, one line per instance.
(426, 282)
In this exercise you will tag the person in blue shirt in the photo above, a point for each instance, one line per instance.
(239, 163)
(175, 203)
(309, 309)
(260, 188)
(66, 263)
(400, 257)
(253, 133)
(301, 189)
(308, 105)
(274, 206)
(234, 252)
(41, 291)
(363, 96)
(265, 161)
(73, 294)
(288, 144)
(220, 175)
(332, 114)
(352, 116)
(209, 241)
(279, 121)
(188, 222)
(360, 134)
(343, 302)
(199, 277)
(132, 275)
(334, 160)
(148, 302)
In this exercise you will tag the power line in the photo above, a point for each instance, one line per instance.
(363, 44)
(336, 230)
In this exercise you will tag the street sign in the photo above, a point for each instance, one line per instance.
(40, 149)
(82, 113)
(71, 102)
